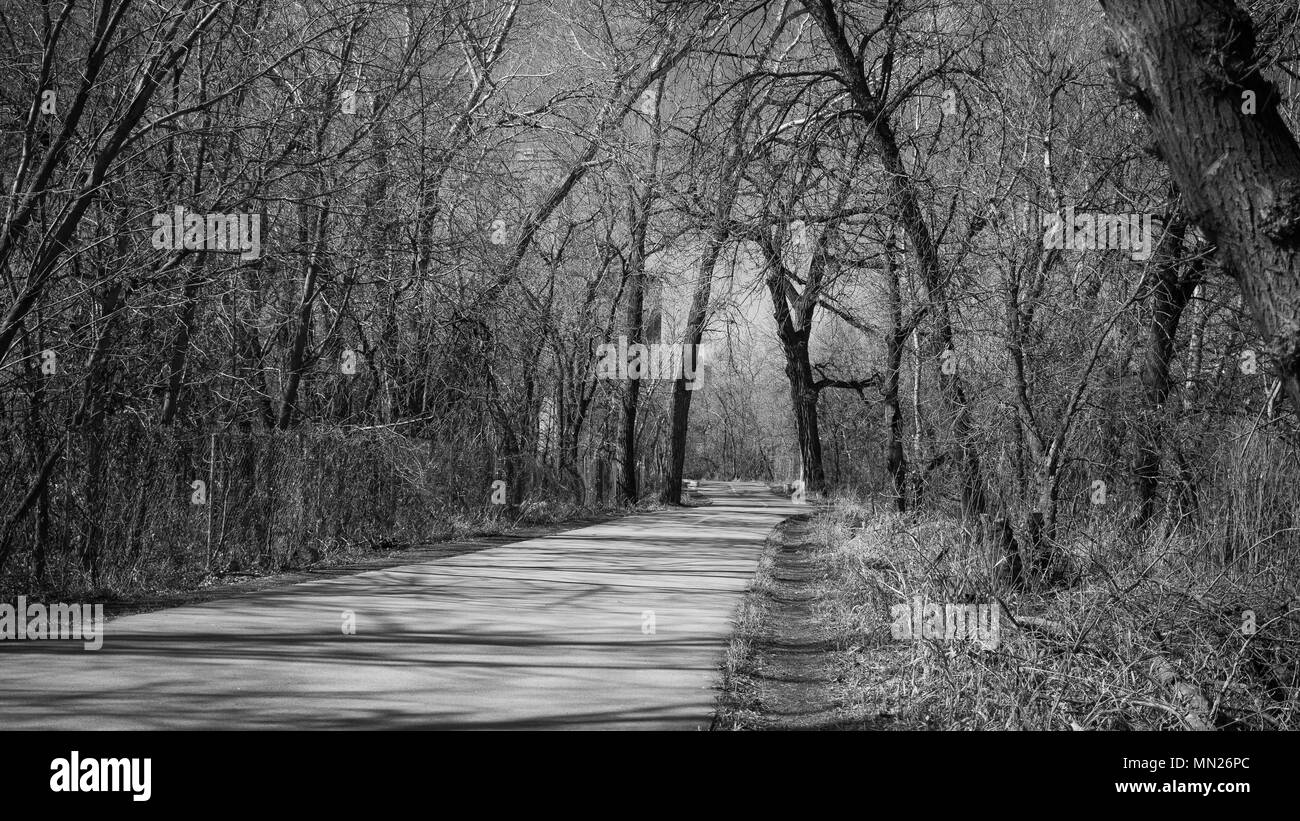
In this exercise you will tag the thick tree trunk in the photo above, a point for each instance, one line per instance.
(1191, 66)
(803, 395)
(793, 315)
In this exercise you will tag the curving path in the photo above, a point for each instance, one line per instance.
(545, 633)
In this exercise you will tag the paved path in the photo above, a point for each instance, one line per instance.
(546, 633)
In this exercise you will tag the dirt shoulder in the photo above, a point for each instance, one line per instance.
(789, 666)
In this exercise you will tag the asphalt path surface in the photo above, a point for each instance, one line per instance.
(621, 625)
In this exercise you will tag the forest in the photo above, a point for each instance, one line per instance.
(285, 281)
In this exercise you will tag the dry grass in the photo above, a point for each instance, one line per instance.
(737, 707)
(1085, 656)
(275, 502)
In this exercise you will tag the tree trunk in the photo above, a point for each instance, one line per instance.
(629, 490)
(1168, 299)
(911, 218)
(803, 395)
(298, 350)
(1191, 66)
(698, 314)
(180, 344)
(896, 463)
(793, 315)
(691, 340)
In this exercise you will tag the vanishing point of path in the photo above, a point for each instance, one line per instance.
(552, 632)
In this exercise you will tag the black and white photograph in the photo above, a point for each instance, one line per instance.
(660, 370)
